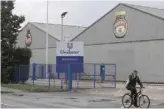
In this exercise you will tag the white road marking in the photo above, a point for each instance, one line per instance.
(122, 107)
(6, 104)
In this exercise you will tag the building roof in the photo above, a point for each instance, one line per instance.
(54, 30)
(149, 10)
(154, 12)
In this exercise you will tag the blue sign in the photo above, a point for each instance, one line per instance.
(69, 54)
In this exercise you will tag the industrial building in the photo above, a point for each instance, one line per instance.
(130, 36)
(38, 34)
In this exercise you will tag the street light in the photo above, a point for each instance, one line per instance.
(62, 16)
(46, 53)
(62, 38)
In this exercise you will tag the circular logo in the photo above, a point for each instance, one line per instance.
(28, 38)
(120, 28)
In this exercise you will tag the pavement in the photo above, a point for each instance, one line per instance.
(79, 98)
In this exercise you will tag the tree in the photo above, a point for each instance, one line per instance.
(10, 25)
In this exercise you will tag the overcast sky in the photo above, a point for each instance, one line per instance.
(80, 13)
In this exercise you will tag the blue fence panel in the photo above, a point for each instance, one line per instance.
(92, 74)
(21, 73)
(16, 74)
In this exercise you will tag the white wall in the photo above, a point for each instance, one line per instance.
(146, 57)
(38, 56)
(38, 44)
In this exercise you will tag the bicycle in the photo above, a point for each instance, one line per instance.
(140, 97)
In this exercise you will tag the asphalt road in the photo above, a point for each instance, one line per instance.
(63, 100)
(57, 100)
(94, 98)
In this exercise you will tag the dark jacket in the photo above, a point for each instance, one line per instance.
(132, 81)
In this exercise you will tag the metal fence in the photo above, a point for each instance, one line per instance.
(93, 76)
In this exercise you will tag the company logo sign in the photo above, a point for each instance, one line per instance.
(120, 25)
(28, 38)
(69, 45)
(69, 51)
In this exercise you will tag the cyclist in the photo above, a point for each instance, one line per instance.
(131, 85)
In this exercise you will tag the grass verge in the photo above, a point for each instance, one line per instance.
(31, 88)
(6, 92)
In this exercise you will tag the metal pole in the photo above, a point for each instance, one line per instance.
(115, 77)
(62, 38)
(47, 43)
(94, 76)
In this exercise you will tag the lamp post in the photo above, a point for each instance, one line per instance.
(47, 42)
(62, 37)
(62, 16)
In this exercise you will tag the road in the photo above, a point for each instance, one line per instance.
(57, 100)
(65, 100)
(88, 98)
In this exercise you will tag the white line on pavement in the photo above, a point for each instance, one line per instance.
(122, 107)
(6, 104)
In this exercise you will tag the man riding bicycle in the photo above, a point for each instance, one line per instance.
(131, 85)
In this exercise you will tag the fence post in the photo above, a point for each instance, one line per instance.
(42, 70)
(33, 72)
(15, 72)
(102, 72)
(94, 76)
(77, 80)
(58, 75)
(49, 74)
(61, 84)
(50, 69)
(19, 73)
(69, 77)
(115, 76)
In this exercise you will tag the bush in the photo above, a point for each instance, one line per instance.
(22, 53)
(4, 76)
(21, 57)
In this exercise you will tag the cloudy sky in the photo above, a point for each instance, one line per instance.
(80, 13)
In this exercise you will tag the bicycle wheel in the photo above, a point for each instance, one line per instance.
(144, 99)
(127, 100)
